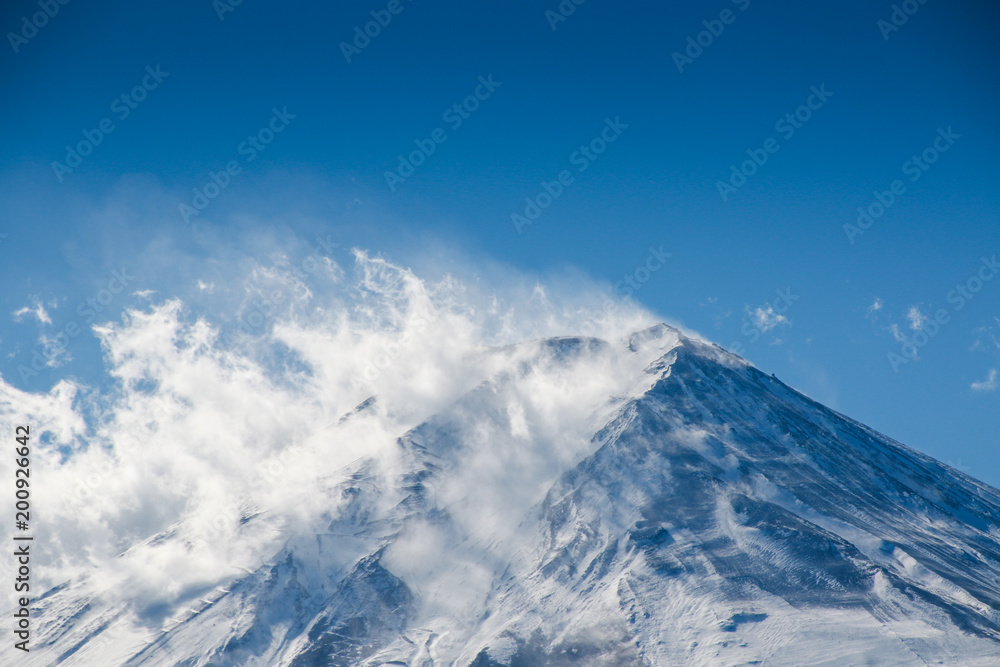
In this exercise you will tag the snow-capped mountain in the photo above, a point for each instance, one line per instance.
(698, 512)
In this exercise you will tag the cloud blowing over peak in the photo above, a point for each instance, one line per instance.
(233, 407)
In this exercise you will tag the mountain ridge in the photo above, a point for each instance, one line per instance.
(714, 515)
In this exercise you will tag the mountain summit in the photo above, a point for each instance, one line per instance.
(668, 504)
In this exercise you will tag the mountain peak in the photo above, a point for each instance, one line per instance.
(653, 501)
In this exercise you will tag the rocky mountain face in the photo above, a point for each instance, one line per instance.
(707, 515)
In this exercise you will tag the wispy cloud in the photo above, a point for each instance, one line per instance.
(874, 308)
(915, 318)
(37, 311)
(898, 334)
(766, 319)
(989, 384)
(200, 425)
(986, 337)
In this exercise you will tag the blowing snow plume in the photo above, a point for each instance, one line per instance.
(408, 472)
(209, 420)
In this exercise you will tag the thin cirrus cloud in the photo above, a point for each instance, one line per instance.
(37, 311)
(874, 308)
(988, 384)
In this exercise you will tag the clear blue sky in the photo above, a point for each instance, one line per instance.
(672, 127)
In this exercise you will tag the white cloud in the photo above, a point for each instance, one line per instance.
(915, 318)
(37, 311)
(202, 425)
(766, 319)
(902, 338)
(989, 384)
(986, 337)
(874, 308)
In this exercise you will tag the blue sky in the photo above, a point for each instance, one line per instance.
(623, 144)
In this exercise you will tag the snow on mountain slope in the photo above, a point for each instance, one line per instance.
(728, 520)
(669, 505)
